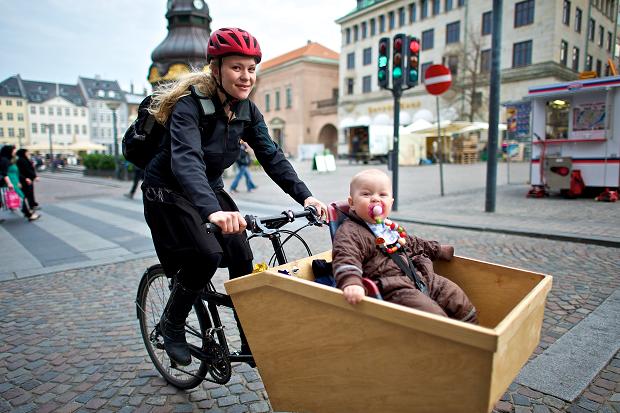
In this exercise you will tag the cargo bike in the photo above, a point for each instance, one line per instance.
(317, 353)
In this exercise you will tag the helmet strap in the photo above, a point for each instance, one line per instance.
(218, 81)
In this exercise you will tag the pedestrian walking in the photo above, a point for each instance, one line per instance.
(138, 175)
(183, 186)
(9, 175)
(27, 176)
(243, 170)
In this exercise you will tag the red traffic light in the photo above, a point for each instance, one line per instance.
(382, 48)
(398, 43)
(414, 46)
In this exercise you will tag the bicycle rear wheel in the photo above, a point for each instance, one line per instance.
(151, 300)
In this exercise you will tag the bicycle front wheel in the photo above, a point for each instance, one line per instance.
(151, 300)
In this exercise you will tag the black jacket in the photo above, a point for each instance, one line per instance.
(26, 169)
(4, 170)
(192, 164)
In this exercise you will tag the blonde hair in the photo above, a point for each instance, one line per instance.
(167, 95)
(366, 174)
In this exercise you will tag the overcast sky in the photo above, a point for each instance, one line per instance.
(59, 40)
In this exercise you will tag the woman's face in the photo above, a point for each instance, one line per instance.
(238, 75)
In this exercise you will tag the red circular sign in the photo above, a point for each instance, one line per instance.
(437, 79)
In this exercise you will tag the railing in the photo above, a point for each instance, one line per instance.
(325, 103)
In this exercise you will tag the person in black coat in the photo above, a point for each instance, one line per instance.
(206, 114)
(27, 176)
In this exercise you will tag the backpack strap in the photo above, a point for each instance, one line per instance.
(206, 104)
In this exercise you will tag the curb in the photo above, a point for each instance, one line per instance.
(605, 242)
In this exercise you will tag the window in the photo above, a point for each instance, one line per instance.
(522, 54)
(9, 116)
(367, 56)
(591, 29)
(598, 68)
(401, 17)
(50, 110)
(60, 129)
(9, 102)
(424, 12)
(578, 14)
(436, 7)
(34, 128)
(267, 102)
(20, 117)
(351, 60)
(67, 112)
(277, 104)
(76, 129)
(487, 23)
(428, 39)
(588, 63)
(423, 69)
(461, 3)
(485, 61)
(350, 83)
(566, 13)
(609, 44)
(575, 64)
(41, 110)
(448, 5)
(289, 97)
(601, 36)
(391, 20)
(1, 132)
(11, 130)
(33, 110)
(347, 35)
(453, 64)
(82, 112)
(68, 129)
(364, 30)
(19, 103)
(0, 115)
(524, 13)
(22, 131)
(373, 27)
(563, 52)
(355, 33)
(59, 111)
(412, 12)
(83, 129)
(366, 80)
(453, 32)
(74, 111)
(382, 23)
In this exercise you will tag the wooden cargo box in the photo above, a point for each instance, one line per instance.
(316, 353)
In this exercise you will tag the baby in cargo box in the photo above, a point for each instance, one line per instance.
(368, 244)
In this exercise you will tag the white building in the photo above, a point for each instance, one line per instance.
(543, 42)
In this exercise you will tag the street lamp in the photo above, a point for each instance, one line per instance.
(113, 106)
(49, 127)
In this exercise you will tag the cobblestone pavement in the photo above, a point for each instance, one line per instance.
(70, 341)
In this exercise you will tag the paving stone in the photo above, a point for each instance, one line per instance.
(206, 404)
(532, 394)
(539, 408)
(23, 399)
(227, 401)
(615, 397)
(156, 400)
(260, 407)
(219, 392)
(520, 400)
(588, 404)
(85, 397)
(66, 397)
(522, 409)
(248, 397)
(553, 402)
(240, 408)
(69, 408)
(95, 403)
(503, 407)
(126, 409)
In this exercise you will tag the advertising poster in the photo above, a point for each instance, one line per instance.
(589, 117)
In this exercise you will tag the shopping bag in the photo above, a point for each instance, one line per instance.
(11, 199)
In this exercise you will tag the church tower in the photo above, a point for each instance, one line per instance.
(189, 28)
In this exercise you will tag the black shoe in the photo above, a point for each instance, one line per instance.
(175, 343)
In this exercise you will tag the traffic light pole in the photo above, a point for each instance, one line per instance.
(396, 92)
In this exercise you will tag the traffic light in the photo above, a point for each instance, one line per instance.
(413, 61)
(398, 59)
(384, 57)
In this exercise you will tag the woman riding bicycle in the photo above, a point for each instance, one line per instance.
(183, 185)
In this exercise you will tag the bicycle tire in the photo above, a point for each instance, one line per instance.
(151, 300)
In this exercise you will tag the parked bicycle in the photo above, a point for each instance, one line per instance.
(205, 332)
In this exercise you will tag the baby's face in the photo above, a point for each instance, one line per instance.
(371, 197)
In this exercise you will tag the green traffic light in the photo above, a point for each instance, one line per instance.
(383, 61)
(413, 74)
(381, 74)
(397, 72)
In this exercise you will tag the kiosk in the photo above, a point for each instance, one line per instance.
(575, 136)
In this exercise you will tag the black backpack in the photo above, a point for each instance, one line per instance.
(144, 136)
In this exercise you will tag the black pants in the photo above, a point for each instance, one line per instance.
(138, 175)
(182, 244)
(28, 191)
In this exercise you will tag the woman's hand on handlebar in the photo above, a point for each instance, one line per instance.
(229, 222)
(321, 208)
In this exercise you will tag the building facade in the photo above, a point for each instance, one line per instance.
(103, 97)
(297, 94)
(542, 42)
(13, 112)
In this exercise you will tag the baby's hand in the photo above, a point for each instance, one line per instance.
(354, 293)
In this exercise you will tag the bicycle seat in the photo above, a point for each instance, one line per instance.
(336, 212)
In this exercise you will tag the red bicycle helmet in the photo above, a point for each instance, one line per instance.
(233, 41)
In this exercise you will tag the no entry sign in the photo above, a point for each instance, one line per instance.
(437, 79)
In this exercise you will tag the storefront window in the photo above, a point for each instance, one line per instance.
(557, 119)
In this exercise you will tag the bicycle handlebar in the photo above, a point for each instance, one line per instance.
(262, 225)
